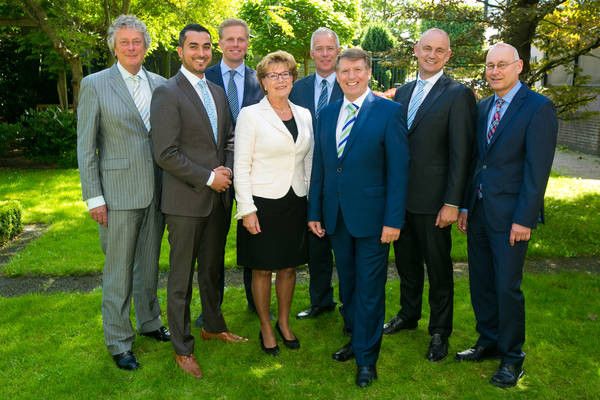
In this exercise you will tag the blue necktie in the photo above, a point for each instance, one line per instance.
(232, 95)
(322, 97)
(209, 105)
(415, 103)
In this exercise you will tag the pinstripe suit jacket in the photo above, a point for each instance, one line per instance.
(113, 145)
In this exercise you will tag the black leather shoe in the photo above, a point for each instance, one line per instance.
(162, 334)
(438, 347)
(293, 344)
(272, 351)
(365, 375)
(507, 375)
(314, 311)
(126, 360)
(397, 324)
(344, 354)
(477, 353)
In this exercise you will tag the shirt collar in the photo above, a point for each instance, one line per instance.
(432, 80)
(240, 69)
(126, 74)
(330, 79)
(191, 77)
(511, 93)
(359, 101)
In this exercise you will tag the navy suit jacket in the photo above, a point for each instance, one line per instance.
(368, 183)
(513, 169)
(252, 91)
(303, 94)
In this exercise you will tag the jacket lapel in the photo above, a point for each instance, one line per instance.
(120, 88)
(269, 115)
(434, 93)
(361, 121)
(403, 97)
(311, 93)
(513, 108)
(484, 111)
(186, 87)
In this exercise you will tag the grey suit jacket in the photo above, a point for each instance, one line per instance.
(185, 148)
(113, 145)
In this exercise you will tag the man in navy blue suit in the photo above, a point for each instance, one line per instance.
(516, 139)
(242, 89)
(314, 92)
(357, 195)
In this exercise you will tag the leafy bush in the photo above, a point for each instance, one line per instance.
(50, 136)
(10, 220)
(8, 137)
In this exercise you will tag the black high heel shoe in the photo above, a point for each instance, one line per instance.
(272, 351)
(293, 344)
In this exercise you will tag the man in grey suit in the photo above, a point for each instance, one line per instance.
(193, 143)
(120, 184)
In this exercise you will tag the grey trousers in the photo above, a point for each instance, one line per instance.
(131, 244)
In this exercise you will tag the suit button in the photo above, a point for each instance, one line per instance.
(484, 166)
(339, 169)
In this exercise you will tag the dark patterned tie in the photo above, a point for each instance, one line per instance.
(232, 96)
(322, 97)
(495, 120)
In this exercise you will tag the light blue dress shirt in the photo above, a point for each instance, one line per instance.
(238, 79)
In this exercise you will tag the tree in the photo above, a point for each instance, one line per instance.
(289, 24)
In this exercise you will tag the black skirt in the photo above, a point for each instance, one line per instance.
(282, 242)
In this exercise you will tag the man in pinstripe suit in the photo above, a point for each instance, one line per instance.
(120, 184)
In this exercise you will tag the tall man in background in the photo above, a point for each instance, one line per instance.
(121, 186)
(440, 115)
(193, 144)
(516, 138)
(242, 89)
(314, 92)
(357, 196)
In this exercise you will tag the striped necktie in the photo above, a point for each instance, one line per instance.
(415, 102)
(209, 106)
(141, 102)
(322, 97)
(351, 110)
(232, 95)
(495, 119)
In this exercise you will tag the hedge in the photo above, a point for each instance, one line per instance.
(10, 220)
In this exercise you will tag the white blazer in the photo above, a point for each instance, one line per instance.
(266, 159)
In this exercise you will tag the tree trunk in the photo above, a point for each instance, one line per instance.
(61, 88)
(76, 77)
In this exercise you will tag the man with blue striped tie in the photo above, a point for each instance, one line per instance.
(314, 92)
(440, 114)
(120, 184)
(357, 196)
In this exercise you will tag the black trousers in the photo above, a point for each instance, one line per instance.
(421, 242)
(320, 268)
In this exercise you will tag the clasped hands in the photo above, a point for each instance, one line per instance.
(222, 180)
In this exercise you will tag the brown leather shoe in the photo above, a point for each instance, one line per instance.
(227, 337)
(189, 365)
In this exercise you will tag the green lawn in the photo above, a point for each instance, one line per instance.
(52, 348)
(71, 247)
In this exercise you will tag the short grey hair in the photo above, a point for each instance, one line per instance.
(127, 22)
(510, 46)
(323, 31)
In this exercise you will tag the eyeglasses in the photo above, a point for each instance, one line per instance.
(501, 66)
(274, 76)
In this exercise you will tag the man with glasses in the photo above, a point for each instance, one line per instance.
(314, 92)
(516, 139)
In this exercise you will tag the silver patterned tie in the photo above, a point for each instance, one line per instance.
(232, 95)
(209, 105)
(141, 102)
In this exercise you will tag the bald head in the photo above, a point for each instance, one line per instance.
(502, 68)
(432, 52)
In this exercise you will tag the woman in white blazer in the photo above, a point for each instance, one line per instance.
(272, 161)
